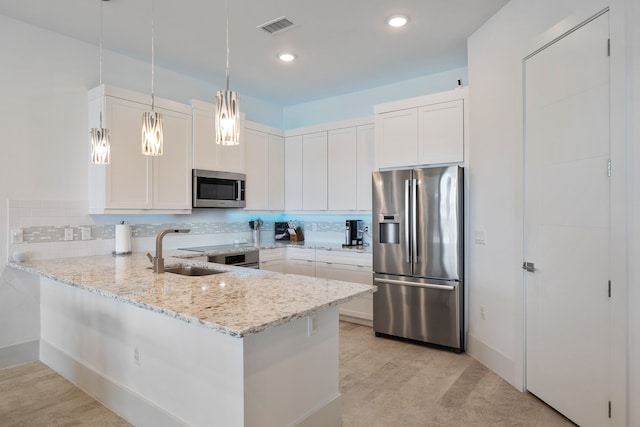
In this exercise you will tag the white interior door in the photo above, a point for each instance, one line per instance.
(567, 223)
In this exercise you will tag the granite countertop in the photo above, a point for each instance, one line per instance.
(239, 302)
(329, 246)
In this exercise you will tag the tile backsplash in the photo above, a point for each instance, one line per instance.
(42, 224)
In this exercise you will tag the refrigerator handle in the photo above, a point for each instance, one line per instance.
(406, 220)
(414, 225)
(414, 284)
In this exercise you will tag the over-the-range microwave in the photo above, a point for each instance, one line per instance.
(214, 189)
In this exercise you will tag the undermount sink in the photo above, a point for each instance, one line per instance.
(191, 270)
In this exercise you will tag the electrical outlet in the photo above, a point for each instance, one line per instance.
(482, 316)
(85, 233)
(68, 233)
(17, 235)
(136, 356)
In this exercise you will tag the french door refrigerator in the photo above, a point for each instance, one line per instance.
(417, 219)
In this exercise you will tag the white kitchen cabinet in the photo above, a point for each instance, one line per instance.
(420, 131)
(293, 173)
(314, 171)
(364, 166)
(342, 155)
(132, 182)
(207, 154)
(441, 133)
(349, 267)
(273, 259)
(397, 138)
(264, 158)
(301, 261)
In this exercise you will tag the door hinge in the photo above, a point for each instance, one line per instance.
(609, 409)
(609, 167)
(609, 285)
(608, 47)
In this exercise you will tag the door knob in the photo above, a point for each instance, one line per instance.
(529, 266)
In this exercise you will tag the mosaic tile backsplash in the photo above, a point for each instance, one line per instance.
(43, 222)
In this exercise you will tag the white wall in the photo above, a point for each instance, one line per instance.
(633, 79)
(495, 54)
(360, 104)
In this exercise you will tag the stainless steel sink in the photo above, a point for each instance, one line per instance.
(192, 270)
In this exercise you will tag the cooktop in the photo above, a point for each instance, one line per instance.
(240, 246)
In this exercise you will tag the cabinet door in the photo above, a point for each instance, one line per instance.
(361, 307)
(304, 267)
(172, 170)
(441, 133)
(397, 138)
(314, 171)
(275, 179)
(293, 173)
(205, 152)
(256, 152)
(364, 166)
(128, 178)
(342, 169)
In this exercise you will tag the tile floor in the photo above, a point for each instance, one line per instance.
(384, 382)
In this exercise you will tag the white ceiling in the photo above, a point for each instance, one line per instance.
(342, 45)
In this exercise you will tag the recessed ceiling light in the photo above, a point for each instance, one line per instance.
(397, 20)
(287, 57)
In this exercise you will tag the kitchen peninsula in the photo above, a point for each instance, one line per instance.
(240, 348)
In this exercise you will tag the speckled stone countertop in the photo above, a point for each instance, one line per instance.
(328, 246)
(238, 302)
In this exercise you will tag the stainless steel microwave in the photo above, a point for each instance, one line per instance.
(213, 189)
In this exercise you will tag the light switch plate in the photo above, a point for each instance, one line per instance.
(480, 237)
(85, 233)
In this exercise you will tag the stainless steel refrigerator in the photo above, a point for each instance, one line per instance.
(418, 255)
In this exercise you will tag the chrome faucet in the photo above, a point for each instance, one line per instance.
(158, 261)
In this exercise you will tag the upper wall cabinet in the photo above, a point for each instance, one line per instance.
(207, 154)
(132, 182)
(328, 167)
(421, 131)
(264, 159)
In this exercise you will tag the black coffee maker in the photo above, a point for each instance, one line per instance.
(353, 232)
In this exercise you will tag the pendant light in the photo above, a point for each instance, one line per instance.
(100, 137)
(151, 120)
(227, 109)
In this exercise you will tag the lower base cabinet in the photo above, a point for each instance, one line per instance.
(273, 260)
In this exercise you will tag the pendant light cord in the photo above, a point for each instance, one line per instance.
(152, 55)
(100, 61)
(227, 45)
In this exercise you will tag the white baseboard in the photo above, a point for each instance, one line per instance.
(18, 354)
(124, 402)
(356, 320)
(492, 359)
(327, 415)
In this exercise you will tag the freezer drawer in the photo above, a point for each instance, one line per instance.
(419, 309)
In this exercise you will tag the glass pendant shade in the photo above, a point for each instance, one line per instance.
(152, 134)
(100, 146)
(227, 118)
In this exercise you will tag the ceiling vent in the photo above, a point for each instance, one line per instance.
(276, 25)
